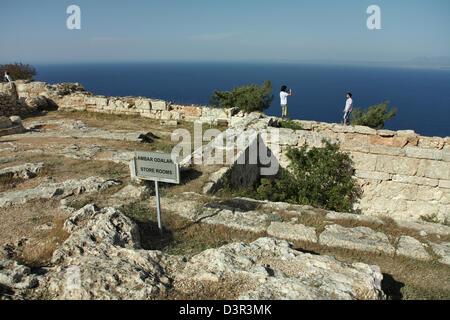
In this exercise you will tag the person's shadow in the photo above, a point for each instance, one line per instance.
(391, 287)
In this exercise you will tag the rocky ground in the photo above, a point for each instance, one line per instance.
(73, 225)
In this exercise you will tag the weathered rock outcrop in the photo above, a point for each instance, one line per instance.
(25, 171)
(360, 238)
(270, 269)
(50, 190)
(11, 125)
(101, 260)
(14, 277)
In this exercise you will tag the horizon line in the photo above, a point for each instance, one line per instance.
(389, 64)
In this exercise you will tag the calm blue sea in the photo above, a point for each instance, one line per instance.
(421, 96)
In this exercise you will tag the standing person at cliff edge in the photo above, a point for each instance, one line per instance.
(283, 99)
(348, 108)
(8, 77)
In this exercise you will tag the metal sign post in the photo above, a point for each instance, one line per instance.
(156, 166)
(158, 207)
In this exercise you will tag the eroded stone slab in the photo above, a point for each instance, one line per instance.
(356, 217)
(269, 269)
(293, 232)
(412, 248)
(443, 250)
(54, 190)
(360, 238)
(25, 171)
(431, 228)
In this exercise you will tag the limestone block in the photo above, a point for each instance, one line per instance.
(165, 115)
(421, 208)
(287, 137)
(406, 133)
(430, 228)
(386, 205)
(431, 142)
(192, 111)
(143, 104)
(397, 165)
(363, 161)
(339, 128)
(444, 184)
(175, 115)
(434, 169)
(385, 133)
(412, 248)
(355, 147)
(387, 150)
(350, 216)
(397, 191)
(159, 105)
(443, 250)
(360, 238)
(365, 130)
(101, 102)
(432, 154)
(373, 175)
(293, 232)
(306, 125)
(445, 155)
(429, 194)
(355, 139)
(398, 142)
(415, 180)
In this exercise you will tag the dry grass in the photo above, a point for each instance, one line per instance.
(224, 289)
(404, 278)
(39, 251)
(35, 230)
(8, 183)
(129, 123)
(181, 236)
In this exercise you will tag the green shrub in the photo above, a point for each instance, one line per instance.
(247, 98)
(320, 177)
(290, 124)
(18, 71)
(374, 116)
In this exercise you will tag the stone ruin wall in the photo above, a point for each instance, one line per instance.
(402, 174)
(74, 97)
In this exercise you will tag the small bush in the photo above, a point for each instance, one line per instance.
(18, 71)
(374, 116)
(320, 177)
(247, 98)
(290, 124)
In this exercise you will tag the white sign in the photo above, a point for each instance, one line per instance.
(156, 166)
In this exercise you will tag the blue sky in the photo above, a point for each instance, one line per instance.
(232, 30)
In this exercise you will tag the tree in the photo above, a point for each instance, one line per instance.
(18, 71)
(374, 116)
(247, 98)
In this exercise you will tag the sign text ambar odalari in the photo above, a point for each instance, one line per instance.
(156, 166)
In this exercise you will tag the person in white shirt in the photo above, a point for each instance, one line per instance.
(283, 98)
(348, 108)
(8, 77)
